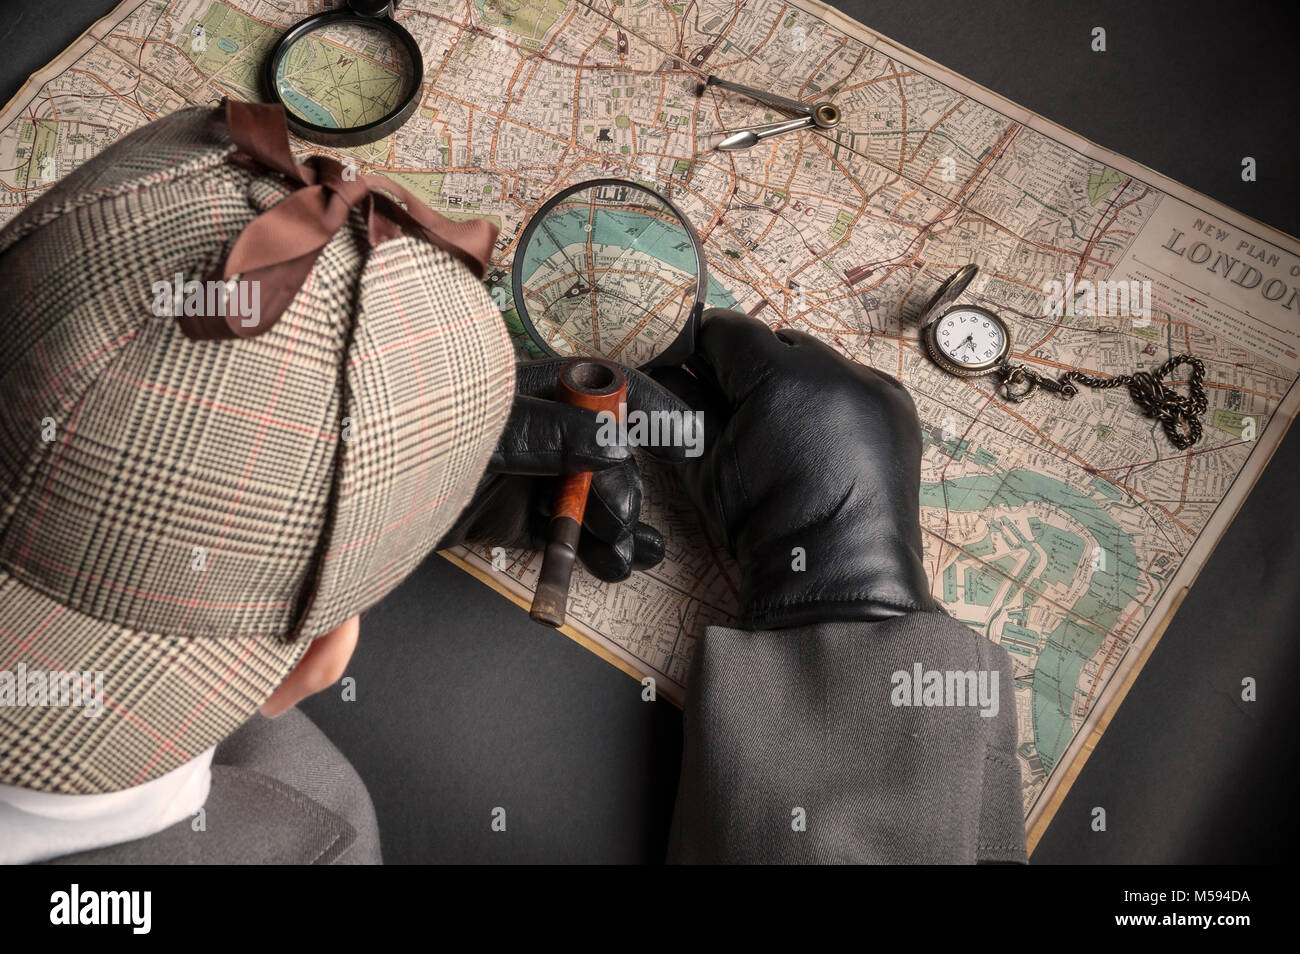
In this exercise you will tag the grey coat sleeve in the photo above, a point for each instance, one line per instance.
(816, 744)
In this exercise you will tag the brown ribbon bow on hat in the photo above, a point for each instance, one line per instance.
(280, 246)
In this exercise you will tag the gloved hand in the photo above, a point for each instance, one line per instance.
(544, 439)
(805, 449)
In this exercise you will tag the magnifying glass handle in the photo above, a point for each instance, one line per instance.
(598, 386)
(373, 8)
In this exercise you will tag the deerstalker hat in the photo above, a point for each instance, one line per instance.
(192, 486)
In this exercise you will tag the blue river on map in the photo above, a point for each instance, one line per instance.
(304, 107)
(647, 234)
(1070, 645)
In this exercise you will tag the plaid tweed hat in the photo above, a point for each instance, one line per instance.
(185, 503)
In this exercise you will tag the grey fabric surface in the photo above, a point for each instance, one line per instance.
(281, 794)
(294, 751)
(803, 719)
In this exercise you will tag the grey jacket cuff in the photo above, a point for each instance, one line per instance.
(890, 741)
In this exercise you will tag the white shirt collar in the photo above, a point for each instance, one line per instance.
(37, 826)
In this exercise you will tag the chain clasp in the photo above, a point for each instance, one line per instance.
(1017, 383)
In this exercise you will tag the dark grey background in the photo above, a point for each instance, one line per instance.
(464, 705)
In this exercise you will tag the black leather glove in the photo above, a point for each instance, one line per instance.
(805, 449)
(544, 439)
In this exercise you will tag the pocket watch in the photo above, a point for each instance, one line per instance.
(965, 340)
(971, 341)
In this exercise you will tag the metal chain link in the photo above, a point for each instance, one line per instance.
(1179, 414)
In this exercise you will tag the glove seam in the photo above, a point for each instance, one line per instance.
(821, 595)
(768, 611)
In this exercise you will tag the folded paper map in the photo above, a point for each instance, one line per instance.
(1066, 531)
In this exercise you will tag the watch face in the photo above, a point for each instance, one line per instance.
(970, 338)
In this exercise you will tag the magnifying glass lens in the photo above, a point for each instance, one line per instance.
(345, 75)
(608, 271)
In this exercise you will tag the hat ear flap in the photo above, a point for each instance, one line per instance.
(426, 383)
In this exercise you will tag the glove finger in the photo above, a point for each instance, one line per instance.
(546, 438)
(612, 558)
(742, 351)
(796, 338)
(670, 430)
(611, 562)
(648, 547)
(538, 378)
(499, 513)
(638, 549)
(702, 393)
(613, 502)
(673, 430)
(644, 393)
